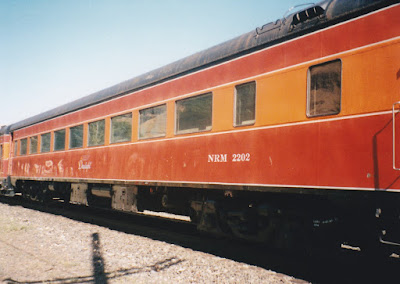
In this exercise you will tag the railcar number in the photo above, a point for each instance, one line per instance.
(223, 158)
(245, 157)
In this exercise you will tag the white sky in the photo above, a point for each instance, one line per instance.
(55, 51)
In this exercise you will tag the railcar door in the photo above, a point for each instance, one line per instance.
(388, 207)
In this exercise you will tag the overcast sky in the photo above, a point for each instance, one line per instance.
(56, 51)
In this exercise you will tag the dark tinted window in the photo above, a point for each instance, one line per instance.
(324, 89)
(24, 146)
(59, 140)
(33, 145)
(194, 114)
(153, 122)
(76, 137)
(96, 133)
(245, 104)
(45, 142)
(121, 128)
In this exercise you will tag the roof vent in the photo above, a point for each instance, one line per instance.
(269, 27)
(307, 14)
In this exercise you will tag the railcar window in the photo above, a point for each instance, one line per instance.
(324, 89)
(15, 148)
(76, 137)
(96, 133)
(45, 142)
(153, 122)
(121, 128)
(33, 145)
(24, 146)
(194, 114)
(245, 104)
(59, 140)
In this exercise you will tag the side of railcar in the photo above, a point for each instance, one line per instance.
(270, 146)
(274, 79)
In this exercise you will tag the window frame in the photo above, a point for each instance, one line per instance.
(25, 151)
(71, 129)
(41, 142)
(309, 89)
(111, 128)
(35, 149)
(55, 140)
(235, 124)
(165, 125)
(187, 131)
(104, 133)
(16, 148)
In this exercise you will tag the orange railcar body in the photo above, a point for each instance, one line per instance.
(284, 148)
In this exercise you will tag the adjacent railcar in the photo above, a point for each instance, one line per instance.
(285, 133)
(5, 144)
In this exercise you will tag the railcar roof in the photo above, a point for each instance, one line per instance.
(316, 17)
(4, 129)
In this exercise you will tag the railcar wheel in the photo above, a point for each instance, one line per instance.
(33, 192)
(36, 192)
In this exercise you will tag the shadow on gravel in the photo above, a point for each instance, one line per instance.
(159, 266)
(320, 266)
(100, 276)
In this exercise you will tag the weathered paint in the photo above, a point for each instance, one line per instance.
(284, 148)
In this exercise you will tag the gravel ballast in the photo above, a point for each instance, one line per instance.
(38, 247)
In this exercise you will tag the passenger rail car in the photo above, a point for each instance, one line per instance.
(287, 134)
